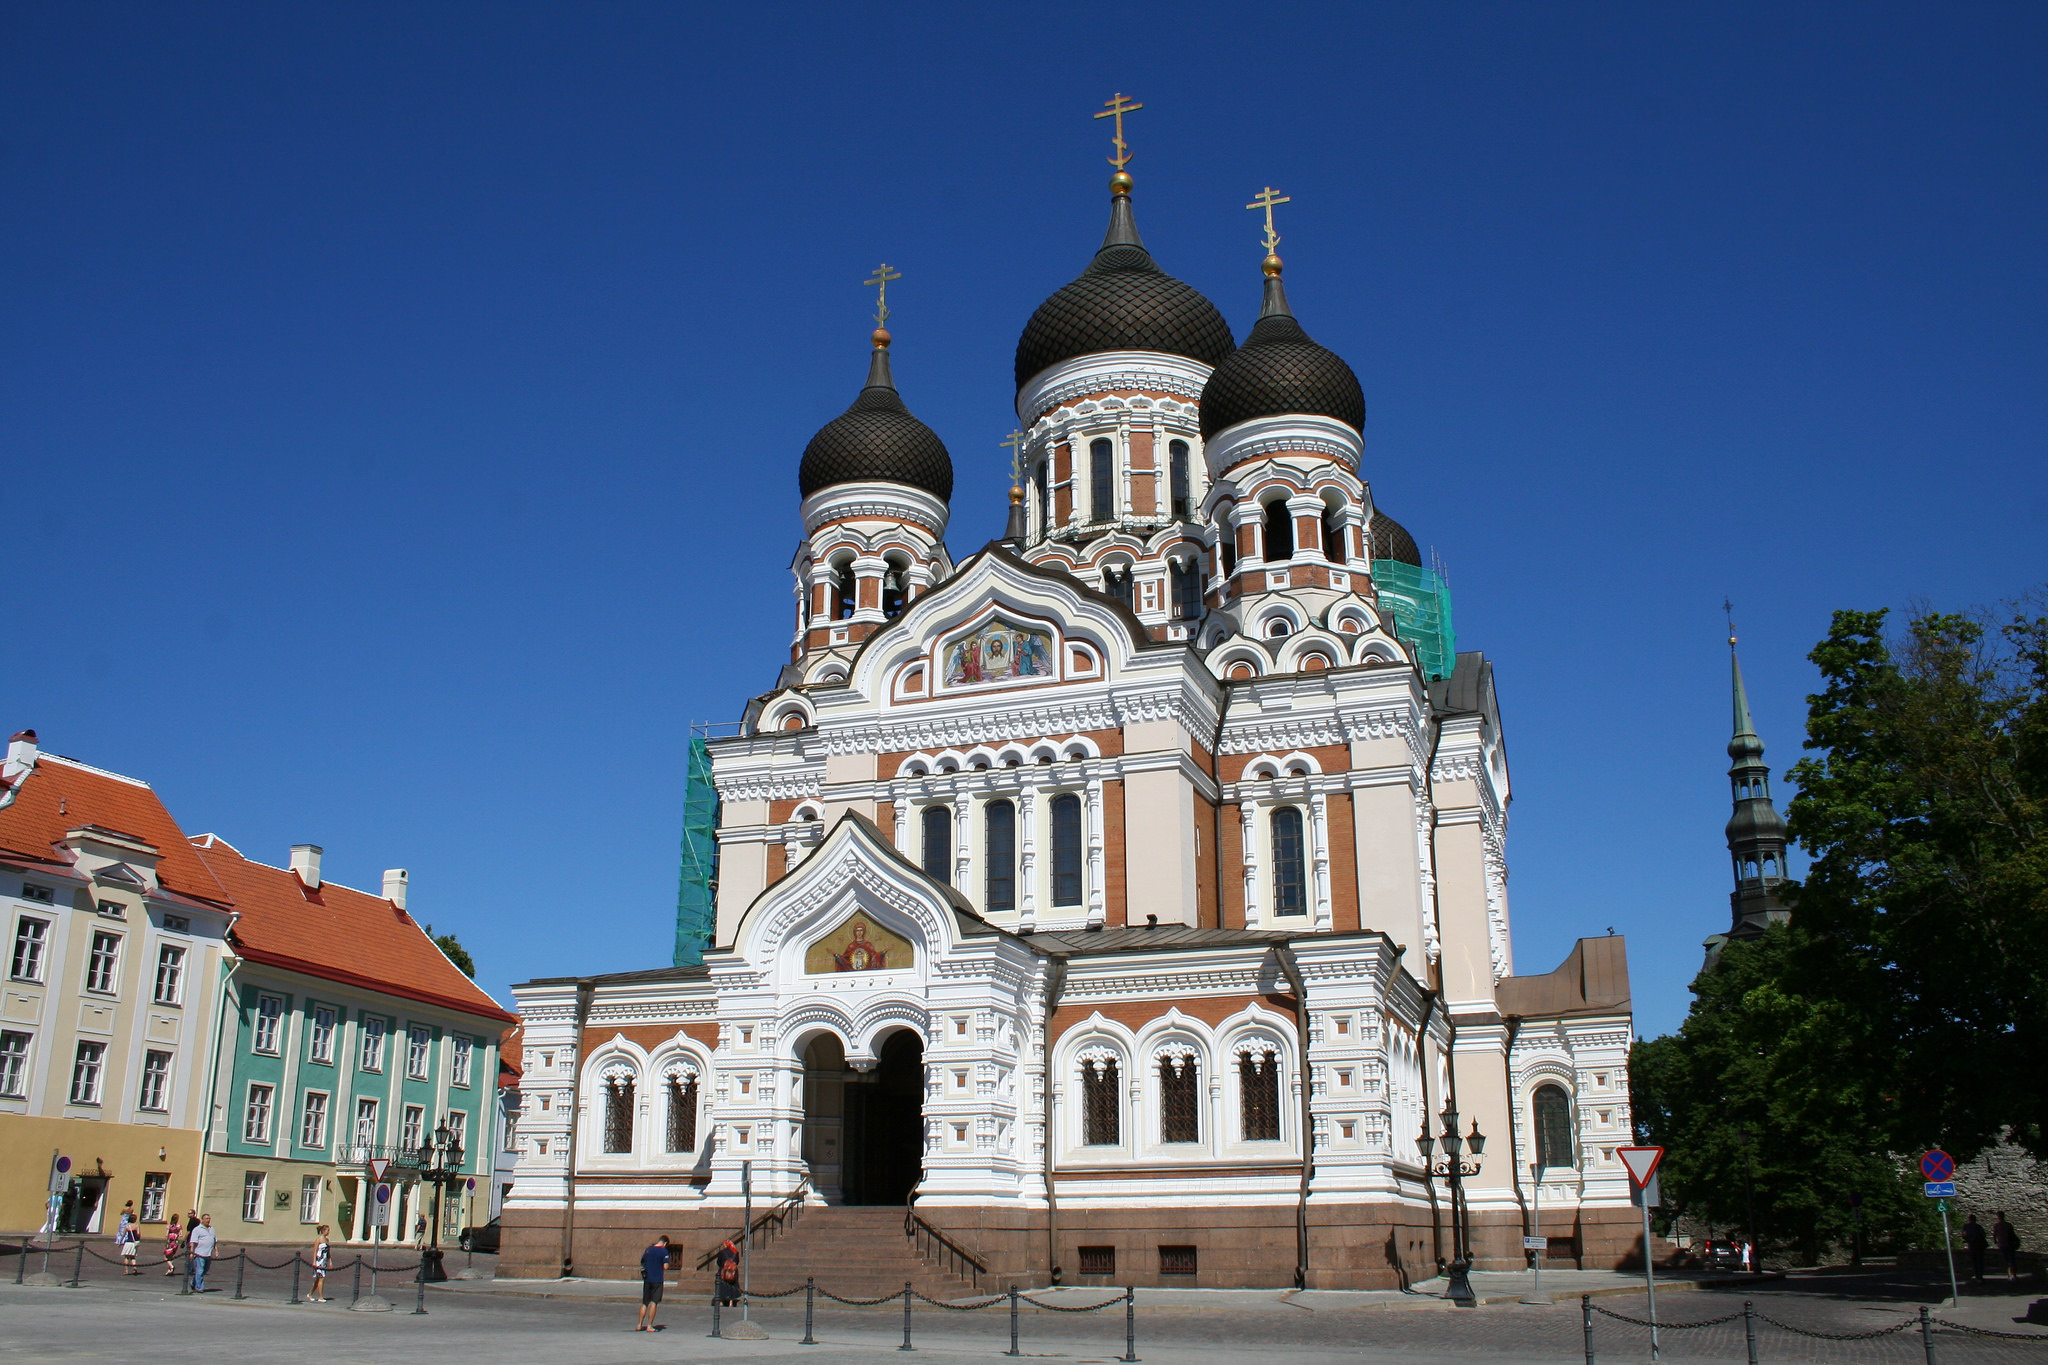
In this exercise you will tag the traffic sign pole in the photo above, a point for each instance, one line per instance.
(1938, 1169)
(1642, 1163)
(1955, 1295)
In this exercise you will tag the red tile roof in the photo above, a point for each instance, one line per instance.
(512, 1055)
(60, 794)
(338, 933)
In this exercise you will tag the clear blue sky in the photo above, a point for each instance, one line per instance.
(400, 405)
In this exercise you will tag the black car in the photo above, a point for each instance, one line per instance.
(1720, 1255)
(484, 1238)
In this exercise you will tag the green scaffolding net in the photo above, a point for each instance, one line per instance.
(697, 901)
(1421, 602)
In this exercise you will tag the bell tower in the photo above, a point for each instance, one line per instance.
(1756, 832)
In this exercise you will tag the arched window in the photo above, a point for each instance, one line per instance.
(1066, 849)
(1333, 535)
(1290, 863)
(1187, 590)
(1258, 1095)
(999, 829)
(1180, 1100)
(1099, 1103)
(1553, 1128)
(1279, 531)
(1177, 458)
(1044, 491)
(1116, 581)
(844, 592)
(938, 842)
(618, 1114)
(1101, 481)
(682, 1113)
(1226, 542)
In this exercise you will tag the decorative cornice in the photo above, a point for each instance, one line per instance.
(886, 501)
(1301, 433)
(1104, 371)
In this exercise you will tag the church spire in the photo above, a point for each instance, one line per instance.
(1756, 832)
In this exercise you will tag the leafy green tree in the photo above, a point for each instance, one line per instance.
(457, 954)
(1925, 910)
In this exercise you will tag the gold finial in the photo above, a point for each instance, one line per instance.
(879, 278)
(1015, 441)
(1116, 108)
(1266, 199)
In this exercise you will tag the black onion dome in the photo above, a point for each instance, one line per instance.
(1279, 370)
(1386, 538)
(877, 441)
(1122, 302)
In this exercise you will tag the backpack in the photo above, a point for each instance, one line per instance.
(730, 1271)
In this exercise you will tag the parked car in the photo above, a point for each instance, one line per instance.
(1720, 1255)
(484, 1238)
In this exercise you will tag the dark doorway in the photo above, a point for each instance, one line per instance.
(885, 1125)
(81, 1208)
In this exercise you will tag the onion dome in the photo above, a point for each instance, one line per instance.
(1278, 371)
(1122, 302)
(877, 441)
(1386, 538)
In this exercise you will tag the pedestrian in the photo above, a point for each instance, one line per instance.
(2007, 1239)
(173, 1236)
(201, 1241)
(653, 1277)
(1748, 1256)
(322, 1254)
(727, 1285)
(125, 1237)
(1975, 1240)
(419, 1232)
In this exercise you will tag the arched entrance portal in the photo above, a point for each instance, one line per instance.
(864, 1132)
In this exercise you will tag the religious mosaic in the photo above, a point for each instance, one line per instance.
(999, 652)
(859, 945)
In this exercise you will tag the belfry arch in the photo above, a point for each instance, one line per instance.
(864, 1129)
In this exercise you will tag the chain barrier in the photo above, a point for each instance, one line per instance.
(1901, 1325)
(778, 1294)
(861, 1303)
(962, 1307)
(811, 1290)
(1056, 1308)
(1990, 1332)
(1662, 1325)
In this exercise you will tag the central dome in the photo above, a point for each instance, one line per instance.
(877, 441)
(1122, 302)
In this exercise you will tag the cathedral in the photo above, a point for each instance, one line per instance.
(1124, 902)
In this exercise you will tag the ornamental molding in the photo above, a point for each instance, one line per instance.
(880, 500)
(782, 786)
(1039, 718)
(1457, 768)
(1101, 372)
(1289, 433)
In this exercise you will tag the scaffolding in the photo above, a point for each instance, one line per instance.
(1421, 602)
(697, 900)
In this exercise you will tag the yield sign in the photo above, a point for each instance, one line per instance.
(378, 1165)
(1641, 1162)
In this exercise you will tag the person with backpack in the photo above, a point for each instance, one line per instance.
(125, 1237)
(727, 1271)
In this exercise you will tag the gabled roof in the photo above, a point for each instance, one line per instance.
(338, 934)
(512, 1056)
(61, 794)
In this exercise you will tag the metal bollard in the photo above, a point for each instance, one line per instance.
(1013, 1322)
(78, 1270)
(241, 1268)
(185, 1281)
(21, 1263)
(810, 1301)
(714, 1312)
(419, 1304)
(1586, 1311)
(1130, 1323)
(355, 1294)
(906, 1346)
(1927, 1335)
(295, 1278)
(1749, 1327)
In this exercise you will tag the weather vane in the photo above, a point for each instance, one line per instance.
(880, 278)
(1116, 108)
(1728, 610)
(1266, 199)
(1015, 441)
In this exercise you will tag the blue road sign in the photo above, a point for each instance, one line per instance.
(1941, 1189)
(1937, 1165)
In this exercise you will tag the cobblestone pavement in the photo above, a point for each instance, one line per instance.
(133, 1319)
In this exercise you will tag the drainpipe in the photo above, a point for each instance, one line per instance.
(584, 990)
(1292, 969)
(229, 962)
(1055, 986)
(1507, 1068)
(1436, 1218)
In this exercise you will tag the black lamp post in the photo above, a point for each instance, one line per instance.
(440, 1166)
(1455, 1169)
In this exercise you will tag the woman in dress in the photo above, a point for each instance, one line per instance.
(322, 1252)
(171, 1239)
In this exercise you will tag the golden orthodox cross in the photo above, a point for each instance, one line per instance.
(1266, 199)
(1116, 108)
(1015, 441)
(880, 280)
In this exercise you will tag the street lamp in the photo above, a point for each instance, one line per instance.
(440, 1163)
(1455, 1169)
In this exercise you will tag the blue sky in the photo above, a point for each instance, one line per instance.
(400, 405)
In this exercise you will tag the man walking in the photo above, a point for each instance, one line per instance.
(201, 1251)
(653, 1277)
(2007, 1239)
(1975, 1241)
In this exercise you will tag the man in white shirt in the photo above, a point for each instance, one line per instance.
(201, 1250)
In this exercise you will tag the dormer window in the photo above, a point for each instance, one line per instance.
(113, 910)
(39, 894)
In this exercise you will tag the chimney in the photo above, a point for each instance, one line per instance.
(306, 862)
(395, 879)
(21, 756)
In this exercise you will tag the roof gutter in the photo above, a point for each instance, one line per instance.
(1292, 969)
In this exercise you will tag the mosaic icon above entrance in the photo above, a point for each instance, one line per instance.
(859, 945)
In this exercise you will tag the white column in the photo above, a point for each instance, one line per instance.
(963, 857)
(1097, 912)
(1319, 835)
(903, 827)
(1249, 811)
(1027, 857)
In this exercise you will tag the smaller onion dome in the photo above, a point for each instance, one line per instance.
(1279, 371)
(877, 441)
(1386, 538)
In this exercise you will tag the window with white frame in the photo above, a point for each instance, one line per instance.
(458, 1066)
(252, 1196)
(371, 1057)
(1552, 1111)
(366, 1123)
(42, 895)
(88, 1073)
(170, 974)
(1180, 1096)
(1065, 818)
(1258, 1091)
(411, 1132)
(1290, 863)
(269, 1023)
(31, 937)
(156, 1188)
(320, 1047)
(313, 1121)
(999, 856)
(1101, 1100)
(103, 964)
(458, 1130)
(155, 1092)
(309, 1199)
(417, 1046)
(618, 1110)
(13, 1065)
(682, 1110)
(256, 1114)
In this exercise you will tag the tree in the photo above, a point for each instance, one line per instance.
(1925, 910)
(457, 954)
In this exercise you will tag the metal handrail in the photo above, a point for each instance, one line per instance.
(955, 1253)
(788, 1211)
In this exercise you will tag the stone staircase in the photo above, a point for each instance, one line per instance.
(857, 1253)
